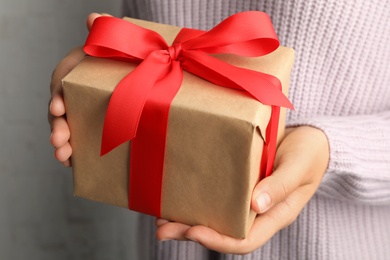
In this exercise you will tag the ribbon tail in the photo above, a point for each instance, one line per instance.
(272, 139)
(127, 102)
(148, 148)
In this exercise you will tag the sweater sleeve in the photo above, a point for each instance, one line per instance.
(359, 167)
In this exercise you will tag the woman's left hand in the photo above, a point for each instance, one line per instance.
(301, 161)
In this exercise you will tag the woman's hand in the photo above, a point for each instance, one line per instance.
(60, 132)
(300, 163)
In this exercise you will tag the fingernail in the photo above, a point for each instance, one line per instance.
(263, 201)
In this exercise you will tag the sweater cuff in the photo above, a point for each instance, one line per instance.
(359, 166)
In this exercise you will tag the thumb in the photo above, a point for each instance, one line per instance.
(91, 18)
(273, 189)
(301, 159)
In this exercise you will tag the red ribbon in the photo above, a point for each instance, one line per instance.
(139, 106)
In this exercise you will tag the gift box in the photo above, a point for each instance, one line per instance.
(214, 143)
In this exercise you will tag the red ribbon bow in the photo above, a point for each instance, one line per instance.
(142, 99)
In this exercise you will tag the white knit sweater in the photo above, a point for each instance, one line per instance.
(340, 84)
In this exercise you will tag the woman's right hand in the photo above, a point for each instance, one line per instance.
(60, 133)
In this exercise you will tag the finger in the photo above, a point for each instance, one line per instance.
(61, 133)
(172, 231)
(300, 160)
(215, 241)
(91, 18)
(63, 153)
(63, 68)
(275, 188)
(57, 106)
(159, 222)
(264, 227)
(286, 212)
(67, 163)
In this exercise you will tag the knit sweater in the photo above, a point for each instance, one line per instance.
(340, 84)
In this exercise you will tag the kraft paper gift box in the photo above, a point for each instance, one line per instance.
(214, 140)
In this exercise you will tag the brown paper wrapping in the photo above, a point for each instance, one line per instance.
(214, 141)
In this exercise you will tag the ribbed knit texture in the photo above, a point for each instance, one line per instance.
(340, 84)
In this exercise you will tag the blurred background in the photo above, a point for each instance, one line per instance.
(39, 217)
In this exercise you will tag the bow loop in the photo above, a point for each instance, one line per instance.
(115, 38)
(248, 34)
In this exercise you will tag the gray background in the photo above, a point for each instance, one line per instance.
(39, 217)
